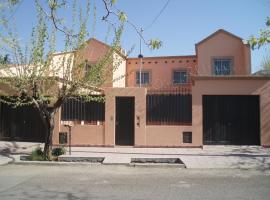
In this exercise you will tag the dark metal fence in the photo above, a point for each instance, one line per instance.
(169, 107)
(21, 124)
(76, 109)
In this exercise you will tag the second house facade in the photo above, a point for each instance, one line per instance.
(182, 101)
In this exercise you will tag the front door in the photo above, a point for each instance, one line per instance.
(124, 121)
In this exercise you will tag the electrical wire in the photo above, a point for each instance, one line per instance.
(158, 15)
(14, 12)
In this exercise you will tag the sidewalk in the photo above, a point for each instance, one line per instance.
(208, 157)
(4, 160)
(10, 151)
(246, 157)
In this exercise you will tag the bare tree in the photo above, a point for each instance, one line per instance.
(37, 76)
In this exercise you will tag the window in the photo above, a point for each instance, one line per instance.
(145, 78)
(222, 66)
(87, 67)
(77, 109)
(179, 77)
(187, 137)
(168, 109)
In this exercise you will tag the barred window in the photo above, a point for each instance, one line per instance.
(76, 109)
(145, 78)
(180, 77)
(168, 109)
(222, 66)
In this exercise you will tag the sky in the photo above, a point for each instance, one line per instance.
(181, 25)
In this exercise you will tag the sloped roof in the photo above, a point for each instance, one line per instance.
(217, 32)
(106, 45)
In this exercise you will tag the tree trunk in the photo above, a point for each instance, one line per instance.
(50, 127)
(47, 116)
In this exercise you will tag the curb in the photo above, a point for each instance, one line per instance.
(139, 165)
(6, 163)
(132, 165)
(53, 163)
(154, 165)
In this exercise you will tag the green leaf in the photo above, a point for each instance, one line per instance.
(268, 21)
(113, 2)
(52, 4)
(122, 17)
(14, 2)
(155, 43)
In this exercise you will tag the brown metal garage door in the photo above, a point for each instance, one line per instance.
(231, 119)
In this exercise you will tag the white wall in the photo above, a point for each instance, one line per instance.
(119, 63)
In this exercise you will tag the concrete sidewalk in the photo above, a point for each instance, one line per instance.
(9, 150)
(4, 160)
(208, 157)
(255, 157)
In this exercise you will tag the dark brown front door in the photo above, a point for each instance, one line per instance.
(124, 122)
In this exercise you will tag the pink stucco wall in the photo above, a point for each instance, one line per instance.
(140, 111)
(168, 136)
(82, 135)
(160, 68)
(223, 45)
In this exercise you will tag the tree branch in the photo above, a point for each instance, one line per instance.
(53, 18)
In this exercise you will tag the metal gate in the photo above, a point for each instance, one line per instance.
(231, 119)
(21, 124)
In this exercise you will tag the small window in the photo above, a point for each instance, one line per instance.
(145, 78)
(87, 67)
(222, 66)
(187, 137)
(63, 138)
(180, 77)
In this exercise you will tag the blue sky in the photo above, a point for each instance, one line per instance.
(182, 24)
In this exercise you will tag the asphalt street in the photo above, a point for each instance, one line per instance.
(121, 182)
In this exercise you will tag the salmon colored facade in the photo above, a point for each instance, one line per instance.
(160, 70)
(200, 79)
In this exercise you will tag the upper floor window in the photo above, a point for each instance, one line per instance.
(144, 78)
(87, 67)
(222, 66)
(180, 77)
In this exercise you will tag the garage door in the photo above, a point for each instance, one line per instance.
(231, 119)
(21, 124)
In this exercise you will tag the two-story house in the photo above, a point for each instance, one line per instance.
(174, 101)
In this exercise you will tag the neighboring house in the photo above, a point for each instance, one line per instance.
(263, 72)
(184, 101)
